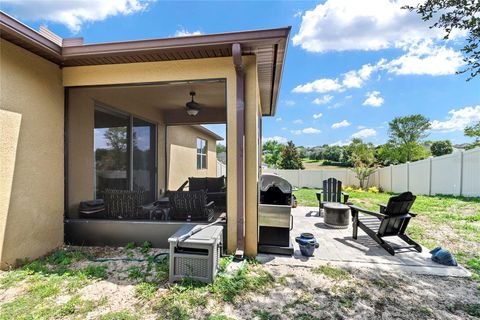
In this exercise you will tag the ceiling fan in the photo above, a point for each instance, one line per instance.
(193, 108)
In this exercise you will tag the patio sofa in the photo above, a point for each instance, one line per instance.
(190, 206)
(215, 187)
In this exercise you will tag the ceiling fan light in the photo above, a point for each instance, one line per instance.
(192, 112)
(192, 107)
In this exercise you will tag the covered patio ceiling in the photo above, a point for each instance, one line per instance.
(169, 99)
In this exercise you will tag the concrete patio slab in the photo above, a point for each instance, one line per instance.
(337, 247)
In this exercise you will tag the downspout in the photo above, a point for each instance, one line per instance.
(240, 113)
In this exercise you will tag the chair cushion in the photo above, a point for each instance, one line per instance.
(197, 184)
(215, 184)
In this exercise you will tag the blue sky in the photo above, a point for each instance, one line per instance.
(350, 67)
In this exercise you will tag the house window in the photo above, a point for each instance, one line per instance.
(125, 153)
(201, 153)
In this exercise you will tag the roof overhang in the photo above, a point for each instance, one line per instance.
(208, 132)
(269, 46)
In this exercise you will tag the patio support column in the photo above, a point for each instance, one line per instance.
(240, 163)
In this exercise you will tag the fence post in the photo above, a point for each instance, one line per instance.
(391, 178)
(430, 176)
(408, 175)
(461, 173)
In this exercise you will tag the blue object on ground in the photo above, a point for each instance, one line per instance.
(307, 244)
(443, 256)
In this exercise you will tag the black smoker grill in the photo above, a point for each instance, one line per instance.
(274, 215)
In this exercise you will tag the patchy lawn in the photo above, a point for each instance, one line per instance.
(450, 222)
(131, 282)
(91, 283)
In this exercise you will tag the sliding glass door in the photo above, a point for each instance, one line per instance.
(144, 158)
(125, 153)
(111, 151)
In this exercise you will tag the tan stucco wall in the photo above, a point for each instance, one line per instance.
(182, 155)
(80, 139)
(32, 87)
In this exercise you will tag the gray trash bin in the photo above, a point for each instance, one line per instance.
(196, 257)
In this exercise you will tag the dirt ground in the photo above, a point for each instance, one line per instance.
(139, 290)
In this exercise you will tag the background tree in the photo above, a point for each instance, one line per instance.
(114, 157)
(440, 148)
(302, 152)
(363, 159)
(456, 15)
(221, 148)
(271, 151)
(333, 153)
(473, 132)
(406, 132)
(289, 158)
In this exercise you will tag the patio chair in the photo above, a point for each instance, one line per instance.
(392, 220)
(190, 206)
(331, 192)
(124, 204)
(215, 187)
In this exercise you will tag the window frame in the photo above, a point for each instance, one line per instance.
(203, 164)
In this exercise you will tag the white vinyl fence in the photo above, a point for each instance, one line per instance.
(314, 178)
(456, 174)
(221, 169)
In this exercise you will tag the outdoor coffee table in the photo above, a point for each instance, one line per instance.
(336, 215)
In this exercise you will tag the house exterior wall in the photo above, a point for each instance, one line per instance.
(211, 68)
(182, 155)
(80, 140)
(31, 220)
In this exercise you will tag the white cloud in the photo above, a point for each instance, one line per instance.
(317, 115)
(341, 124)
(306, 131)
(275, 138)
(289, 103)
(350, 79)
(356, 79)
(73, 14)
(361, 127)
(324, 100)
(296, 132)
(457, 120)
(186, 33)
(278, 119)
(284, 128)
(298, 121)
(339, 25)
(311, 131)
(340, 143)
(320, 85)
(298, 14)
(335, 106)
(364, 133)
(373, 99)
(425, 58)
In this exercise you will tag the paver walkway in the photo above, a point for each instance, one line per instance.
(337, 247)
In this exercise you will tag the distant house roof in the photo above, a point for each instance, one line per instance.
(269, 46)
(208, 132)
